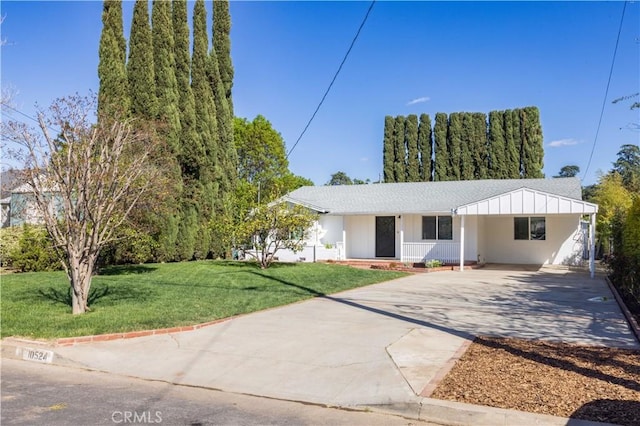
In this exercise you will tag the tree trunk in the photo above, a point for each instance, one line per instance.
(80, 273)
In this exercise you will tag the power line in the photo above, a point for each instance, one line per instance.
(25, 115)
(366, 16)
(606, 92)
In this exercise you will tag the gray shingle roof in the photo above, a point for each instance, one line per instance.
(421, 197)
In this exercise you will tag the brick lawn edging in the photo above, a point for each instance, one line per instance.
(70, 341)
(633, 324)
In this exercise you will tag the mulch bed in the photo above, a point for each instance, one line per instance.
(583, 382)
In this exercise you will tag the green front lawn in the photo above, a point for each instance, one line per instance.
(142, 297)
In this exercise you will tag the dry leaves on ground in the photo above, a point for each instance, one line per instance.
(590, 383)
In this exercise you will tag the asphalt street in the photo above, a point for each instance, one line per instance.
(53, 395)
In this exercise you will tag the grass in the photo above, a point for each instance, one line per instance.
(143, 297)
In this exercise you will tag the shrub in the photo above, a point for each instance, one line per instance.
(34, 251)
(130, 247)
(432, 263)
(9, 238)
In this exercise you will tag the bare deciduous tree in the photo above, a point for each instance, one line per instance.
(84, 182)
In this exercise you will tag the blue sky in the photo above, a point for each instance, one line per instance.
(443, 56)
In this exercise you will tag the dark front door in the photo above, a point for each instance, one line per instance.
(385, 236)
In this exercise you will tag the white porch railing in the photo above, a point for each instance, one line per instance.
(420, 252)
(341, 254)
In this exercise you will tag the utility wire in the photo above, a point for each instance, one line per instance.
(606, 92)
(333, 80)
(25, 115)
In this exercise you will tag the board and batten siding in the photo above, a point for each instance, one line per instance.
(527, 201)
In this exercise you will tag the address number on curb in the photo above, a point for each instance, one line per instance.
(36, 355)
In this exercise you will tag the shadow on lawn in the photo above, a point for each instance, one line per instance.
(97, 294)
(126, 270)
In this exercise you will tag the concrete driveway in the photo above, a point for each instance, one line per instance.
(381, 345)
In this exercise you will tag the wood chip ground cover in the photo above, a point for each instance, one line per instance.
(590, 383)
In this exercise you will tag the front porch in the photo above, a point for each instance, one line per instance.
(446, 252)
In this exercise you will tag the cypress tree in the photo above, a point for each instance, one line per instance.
(425, 147)
(441, 152)
(207, 128)
(113, 94)
(165, 77)
(222, 46)
(467, 146)
(413, 152)
(191, 151)
(480, 153)
(206, 119)
(454, 140)
(512, 139)
(400, 153)
(169, 126)
(497, 146)
(388, 153)
(227, 156)
(532, 148)
(140, 65)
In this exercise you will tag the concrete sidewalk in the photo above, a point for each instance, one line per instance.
(384, 346)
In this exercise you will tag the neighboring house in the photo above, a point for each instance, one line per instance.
(516, 221)
(18, 204)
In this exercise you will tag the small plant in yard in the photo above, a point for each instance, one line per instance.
(432, 263)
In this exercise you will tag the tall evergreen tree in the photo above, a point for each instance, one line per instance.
(497, 146)
(388, 152)
(140, 64)
(165, 77)
(168, 127)
(454, 140)
(207, 127)
(222, 46)
(227, 156)
(400, 161)
(467, 145)
(512, 142)
(192, 156)
(206, 119)
(480, 151)
(413, 153)
(532, 149)
(113, 94)
(192, 153)
(425, 148)
(441, 152)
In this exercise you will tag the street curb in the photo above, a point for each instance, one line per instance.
(70, 341)
(461, 414)
(633, 324)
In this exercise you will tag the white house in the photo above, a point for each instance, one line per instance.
(517, 221)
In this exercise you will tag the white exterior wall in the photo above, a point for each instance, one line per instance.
(562, 246)
(361, 237)
(330, 229)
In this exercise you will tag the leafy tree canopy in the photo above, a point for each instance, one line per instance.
(568, 171)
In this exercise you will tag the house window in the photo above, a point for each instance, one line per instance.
(529, 228)
(437, 228)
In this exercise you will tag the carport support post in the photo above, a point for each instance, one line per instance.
(592, 245)
(401, 239)
(462, 242)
